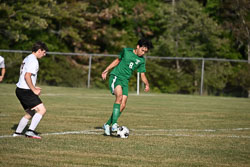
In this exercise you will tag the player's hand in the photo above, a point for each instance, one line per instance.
(104, 74)
(37, 91)
(146, 88)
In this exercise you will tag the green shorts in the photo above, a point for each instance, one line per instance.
(115, 81)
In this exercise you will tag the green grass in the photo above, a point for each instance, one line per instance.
(166, 130)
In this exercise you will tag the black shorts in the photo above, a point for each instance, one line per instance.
(27, 98)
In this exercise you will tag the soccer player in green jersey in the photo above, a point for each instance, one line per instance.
(129, 60)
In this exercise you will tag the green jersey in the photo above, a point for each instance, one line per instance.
(129, 62)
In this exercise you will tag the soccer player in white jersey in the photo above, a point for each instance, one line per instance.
(2, 66)
(28, 93)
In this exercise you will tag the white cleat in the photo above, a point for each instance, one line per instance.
(106, 128)
(16, 134)
(32, 134)
(103, 127)
(115, 127)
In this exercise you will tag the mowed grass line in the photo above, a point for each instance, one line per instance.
(167, 130)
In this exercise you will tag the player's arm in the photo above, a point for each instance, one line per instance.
(112, 65)
(2, 76)
(145, 81)
(28, 80)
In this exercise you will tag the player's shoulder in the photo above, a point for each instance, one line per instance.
(128, 49)
(31, 59)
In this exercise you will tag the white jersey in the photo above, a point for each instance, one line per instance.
(2, 65)
(30, 64)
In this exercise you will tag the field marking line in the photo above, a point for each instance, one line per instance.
(193, 135)
(192, 130)
(100, 131)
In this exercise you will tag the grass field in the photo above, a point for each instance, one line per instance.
(166, 130)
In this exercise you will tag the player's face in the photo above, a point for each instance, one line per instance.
(41, 53)
(141, 50)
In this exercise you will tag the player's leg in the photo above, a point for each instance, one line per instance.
(122, 107)
(116, 89)
(124, 97)
(40, 111)
(34, 107)
(121, 92)
(124, 102)
(116, 111)
(117, 104)
(23, 97)
(113, 83)
(22, 124)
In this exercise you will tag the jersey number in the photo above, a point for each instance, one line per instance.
(21, 68)
(131, 65)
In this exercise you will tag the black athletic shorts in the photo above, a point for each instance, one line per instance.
(27, 98)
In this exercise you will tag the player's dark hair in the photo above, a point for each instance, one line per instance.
(146, 43)
(39, 45)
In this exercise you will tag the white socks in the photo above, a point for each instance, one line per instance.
(35, 121)
(22, 124)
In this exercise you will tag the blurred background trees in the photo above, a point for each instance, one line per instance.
(185, 28)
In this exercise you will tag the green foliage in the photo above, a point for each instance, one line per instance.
(106, 26)
(234, 16)
(239, 81)
(12, 64)
(217, 75)
(61, 72)
(189, 32)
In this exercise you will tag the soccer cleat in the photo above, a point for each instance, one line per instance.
(106, 128)
(103, 127)
(32, 134)
(16, 134)
(115, 127)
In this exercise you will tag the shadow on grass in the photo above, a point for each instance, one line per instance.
(98, 127)
(111, 135)
(14, 127)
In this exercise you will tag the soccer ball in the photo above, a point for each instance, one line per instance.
(123, 132)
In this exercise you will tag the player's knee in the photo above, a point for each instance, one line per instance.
(119, 99)
(30, 112)
(41, 110)
(27, 116)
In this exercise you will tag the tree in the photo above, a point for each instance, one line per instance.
(189, 32)
(236, 17)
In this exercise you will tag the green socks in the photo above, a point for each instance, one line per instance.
(115, 115)
(110, 120)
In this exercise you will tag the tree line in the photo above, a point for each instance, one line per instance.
(185, 28)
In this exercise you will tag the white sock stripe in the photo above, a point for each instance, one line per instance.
(36, 106)
(113, 84)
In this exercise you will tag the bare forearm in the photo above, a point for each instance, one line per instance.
(3, 72)
(113, 64)
(28, 80)
(144, 79)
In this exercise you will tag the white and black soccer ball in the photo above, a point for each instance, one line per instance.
(123, 132)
